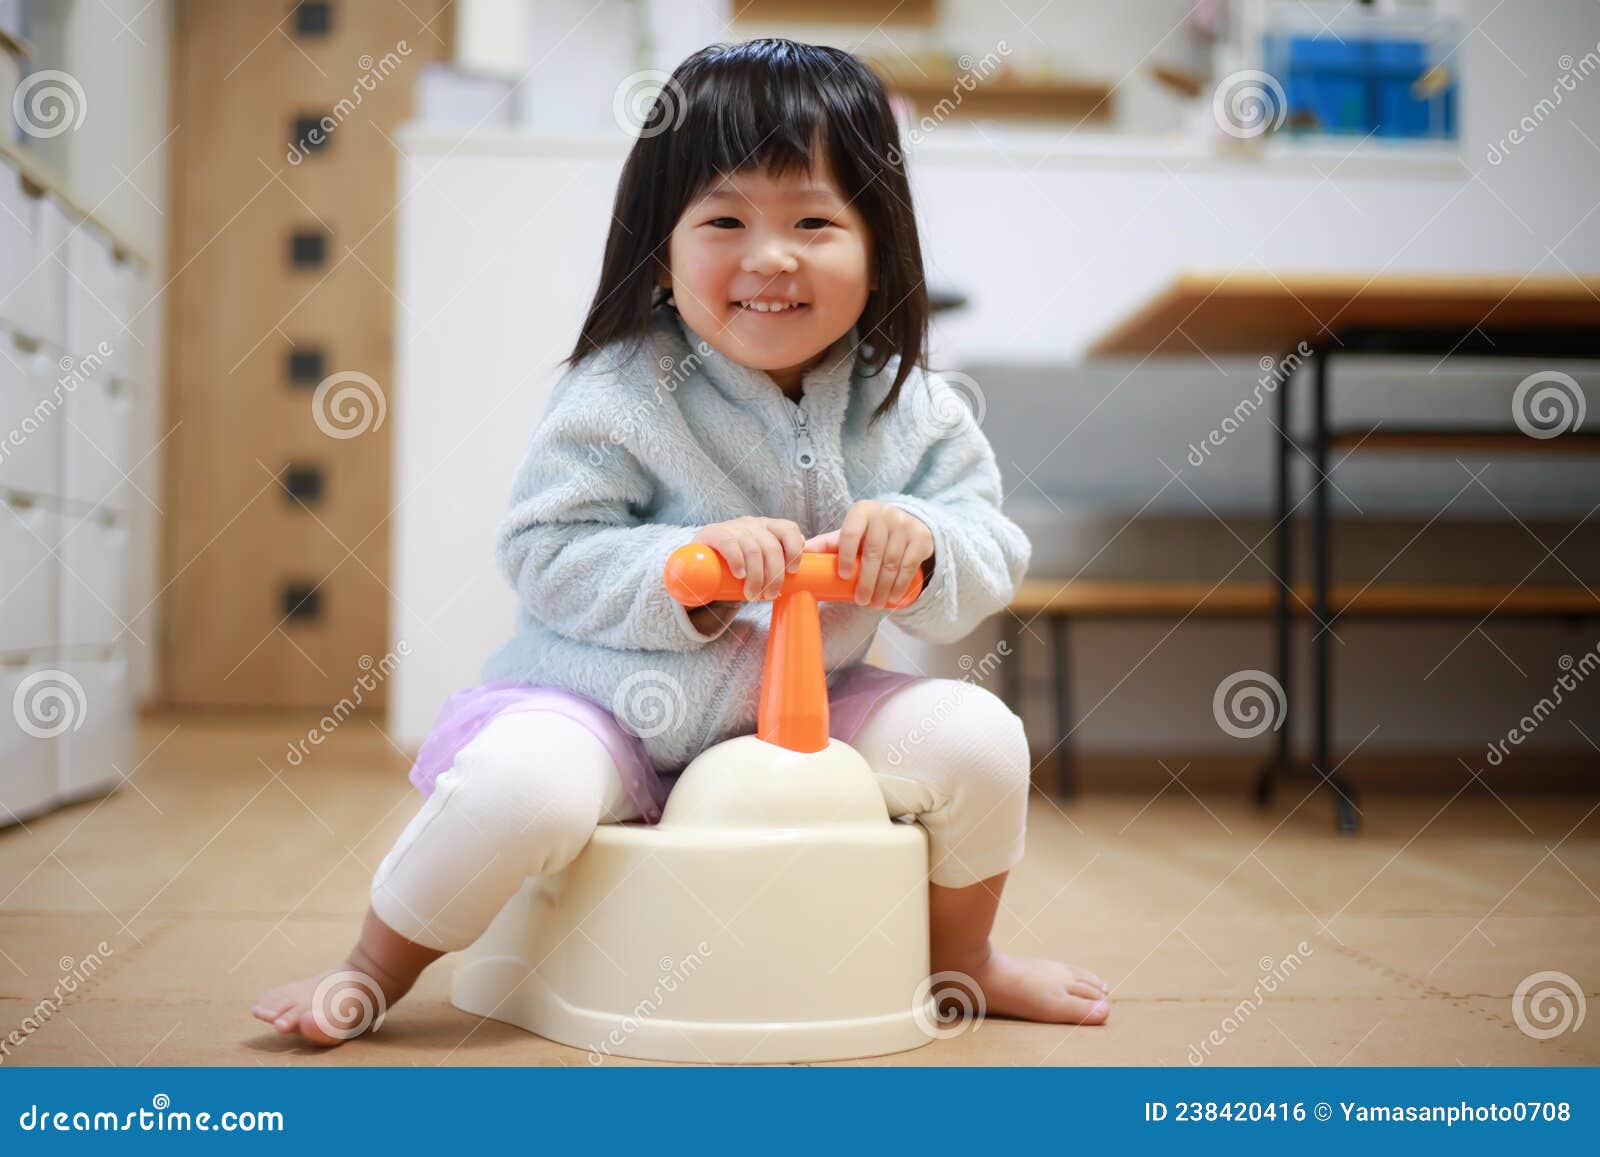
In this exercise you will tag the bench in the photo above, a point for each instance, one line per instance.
(1059, 601)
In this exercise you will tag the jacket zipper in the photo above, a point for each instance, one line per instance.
(805, 457)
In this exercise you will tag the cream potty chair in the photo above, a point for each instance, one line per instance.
(775, 914)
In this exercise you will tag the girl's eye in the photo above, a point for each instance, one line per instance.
(724, 222)
(814, 223)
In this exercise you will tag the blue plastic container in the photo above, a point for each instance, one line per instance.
(1359, 86)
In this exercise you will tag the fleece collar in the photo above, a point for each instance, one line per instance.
(825, 386)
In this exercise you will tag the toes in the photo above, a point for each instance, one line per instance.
(312, 1031)
(1086, 989)
(271, 1006)
(1079, 1010)
(1085, 975)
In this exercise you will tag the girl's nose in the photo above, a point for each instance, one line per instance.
(770, 259)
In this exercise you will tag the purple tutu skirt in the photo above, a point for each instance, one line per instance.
(851, 699)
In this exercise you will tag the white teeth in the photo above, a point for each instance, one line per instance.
(770, 306)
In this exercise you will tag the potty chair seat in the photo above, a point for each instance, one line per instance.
(776, 913)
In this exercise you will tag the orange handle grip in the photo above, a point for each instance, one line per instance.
(697, 575)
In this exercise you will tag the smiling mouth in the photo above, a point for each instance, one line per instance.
(772, 308)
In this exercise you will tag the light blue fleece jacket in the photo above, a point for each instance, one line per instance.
(632, 459)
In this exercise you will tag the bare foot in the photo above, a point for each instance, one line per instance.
(328, 1008)
(1028, 988)
(346, 1001)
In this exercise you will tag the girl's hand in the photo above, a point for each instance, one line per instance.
(891, 544)
(762, 551)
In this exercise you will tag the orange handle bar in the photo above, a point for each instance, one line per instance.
(697, 575)
(793, 711)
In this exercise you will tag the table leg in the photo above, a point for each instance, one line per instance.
(1282, 620)
(1322, 643)
(1066, 765)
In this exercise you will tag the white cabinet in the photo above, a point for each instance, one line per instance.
(94, 586)
(31, 280)
(30, 534)
(68, 374)
(99, 302)
(96, 752)
(96, 433)
(30, 418)
(28, 751)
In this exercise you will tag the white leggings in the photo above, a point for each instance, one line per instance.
(524, 796)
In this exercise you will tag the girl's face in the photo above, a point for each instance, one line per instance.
(752, 239)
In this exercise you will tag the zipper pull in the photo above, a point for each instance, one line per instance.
(805, 455)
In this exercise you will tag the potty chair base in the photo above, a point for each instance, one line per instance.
(722, 935)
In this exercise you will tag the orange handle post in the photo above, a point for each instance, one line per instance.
(794, 683)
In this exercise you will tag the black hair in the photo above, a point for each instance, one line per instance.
(764, 104)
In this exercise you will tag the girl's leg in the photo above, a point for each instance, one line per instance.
(955, 757)
(521, 799)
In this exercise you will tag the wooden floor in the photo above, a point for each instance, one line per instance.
(218, 870)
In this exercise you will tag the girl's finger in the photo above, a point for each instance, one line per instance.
(774, 567)
(908, 569)
(872, 544)
(793, 543)
(727, 545)
(755, 578)
(894, 552)
(849, 544)
(824, 543)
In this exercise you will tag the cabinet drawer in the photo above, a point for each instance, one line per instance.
(97, 439)
(96, 754)
(31, 280)
(99, 301)
(31, 422)
(29, 745)
(29, 578)
(94, 580)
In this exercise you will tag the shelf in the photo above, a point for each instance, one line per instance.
(1502, 441)
(1010, 98)
(1143, 598)
(906, 13)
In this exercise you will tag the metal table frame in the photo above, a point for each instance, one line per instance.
(1550, 343)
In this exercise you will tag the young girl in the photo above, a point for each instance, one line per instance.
(749, 376)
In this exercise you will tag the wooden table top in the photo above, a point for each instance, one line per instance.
(1265, 313)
